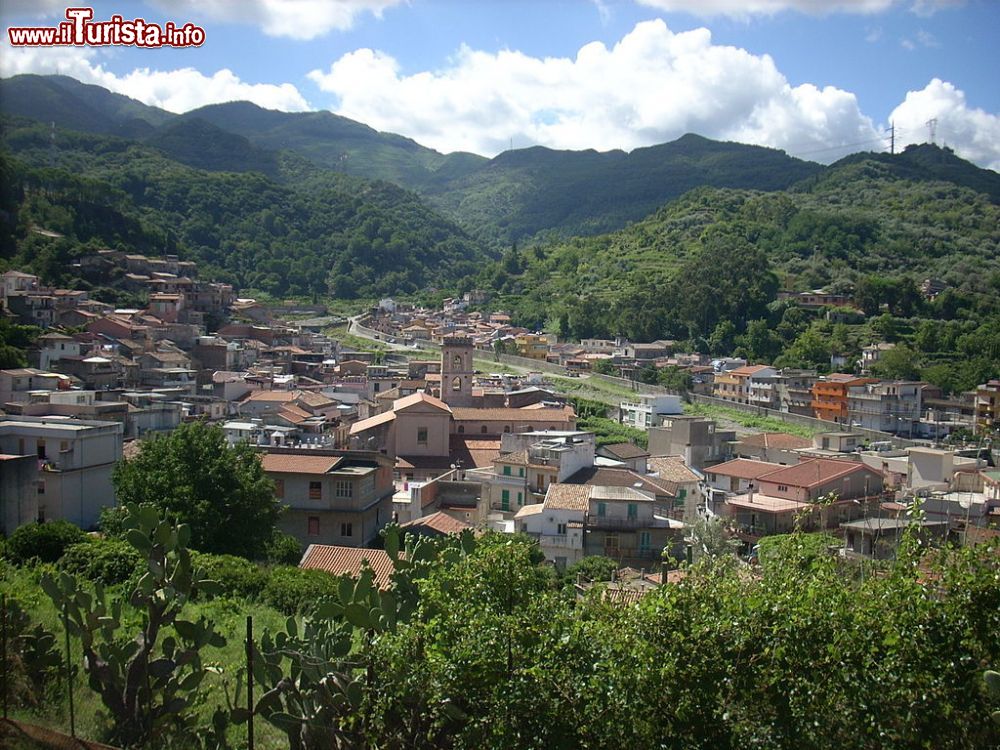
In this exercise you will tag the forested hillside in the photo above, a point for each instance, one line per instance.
(304, 231)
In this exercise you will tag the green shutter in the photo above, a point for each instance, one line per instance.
(601, 509)
(633, 510)
(505, 500)
(506, 471)
(519, 498)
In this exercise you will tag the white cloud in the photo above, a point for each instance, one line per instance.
(652, 86)
(298, 19)
(972, 133)
(174, 90)
(746, 8)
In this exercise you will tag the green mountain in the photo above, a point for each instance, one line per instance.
(301, 230)
(859, 218)
(78, 106)
(515, 197)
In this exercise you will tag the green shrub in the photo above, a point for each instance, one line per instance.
(109, 561)
(292, 590)
(283, 549)
(236, 575)
(46, 541)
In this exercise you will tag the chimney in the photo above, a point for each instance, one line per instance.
(750, 493)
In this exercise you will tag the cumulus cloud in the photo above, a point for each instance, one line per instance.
(174, 90)
(972, 133)
(298, 19)
(650, 87)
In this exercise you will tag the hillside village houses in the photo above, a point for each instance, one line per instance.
(353, 442)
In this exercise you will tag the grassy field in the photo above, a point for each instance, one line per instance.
(229, 617)
(752, 421)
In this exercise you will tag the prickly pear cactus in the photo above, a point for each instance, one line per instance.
(315, 671)
(147, 683)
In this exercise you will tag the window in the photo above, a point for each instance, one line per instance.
(313, 526)
(315, 490)
(457, 361)
(505, 500)
(375, 387)
(279, 487)
(506, 428)
(520, 499)
(644, 541)
(343, 488)
(483, 429)
(346, 529)
(561, 529)
(41, 486)
(461, 429)
(633, 511)
(64, 446)
(456, 383)
(40, 445)
(506, 471)
(520, 471)
(421, 436)
(602, 510)
(782, 488)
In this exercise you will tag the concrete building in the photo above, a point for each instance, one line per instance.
(76, 458)
(649, 410)
(333, 497)
(693, 438)
(18, 491)
(987, 415)
(887, 406)
(793, 391)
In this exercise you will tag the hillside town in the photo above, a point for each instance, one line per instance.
(421, 434)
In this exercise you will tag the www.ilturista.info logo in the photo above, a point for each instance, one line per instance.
(80, 30)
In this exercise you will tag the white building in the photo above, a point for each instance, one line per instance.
(76, 458)
(649, 410)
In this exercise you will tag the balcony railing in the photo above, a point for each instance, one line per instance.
(617, 522)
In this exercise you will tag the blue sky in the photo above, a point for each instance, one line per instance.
(818, 79)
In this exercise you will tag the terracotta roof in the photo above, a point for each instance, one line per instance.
(473, 414)
(749, 369)
(743, 468)
(339, 561)
(519, 458)
(567, 497)
(367, 424)
(779, 440)
(671, 469)
(419, 398)
(816, 472)
(530, 510)
(271, 396)
(440, 522)
(296, 411)
(290, 463)
(434, 463)
(625, 451)
(611, 477)
(315, 400)
(474, 452)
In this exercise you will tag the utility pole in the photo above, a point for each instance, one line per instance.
(892, 138)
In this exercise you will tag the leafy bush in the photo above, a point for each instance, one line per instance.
(46, 541)
(595, 568)
(33, 660)
(237, 576)
(109, 561)
(292, 590)
(283, 549)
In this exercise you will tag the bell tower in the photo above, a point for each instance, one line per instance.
(456, 371)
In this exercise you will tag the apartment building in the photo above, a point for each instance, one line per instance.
(332, 497)
(75, 459)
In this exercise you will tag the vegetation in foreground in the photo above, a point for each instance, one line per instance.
(476, 644)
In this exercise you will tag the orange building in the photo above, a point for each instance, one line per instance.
(829, 395)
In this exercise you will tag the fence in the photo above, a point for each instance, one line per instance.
(61, 731)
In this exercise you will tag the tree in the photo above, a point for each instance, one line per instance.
(194, 477)
(898, 363)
